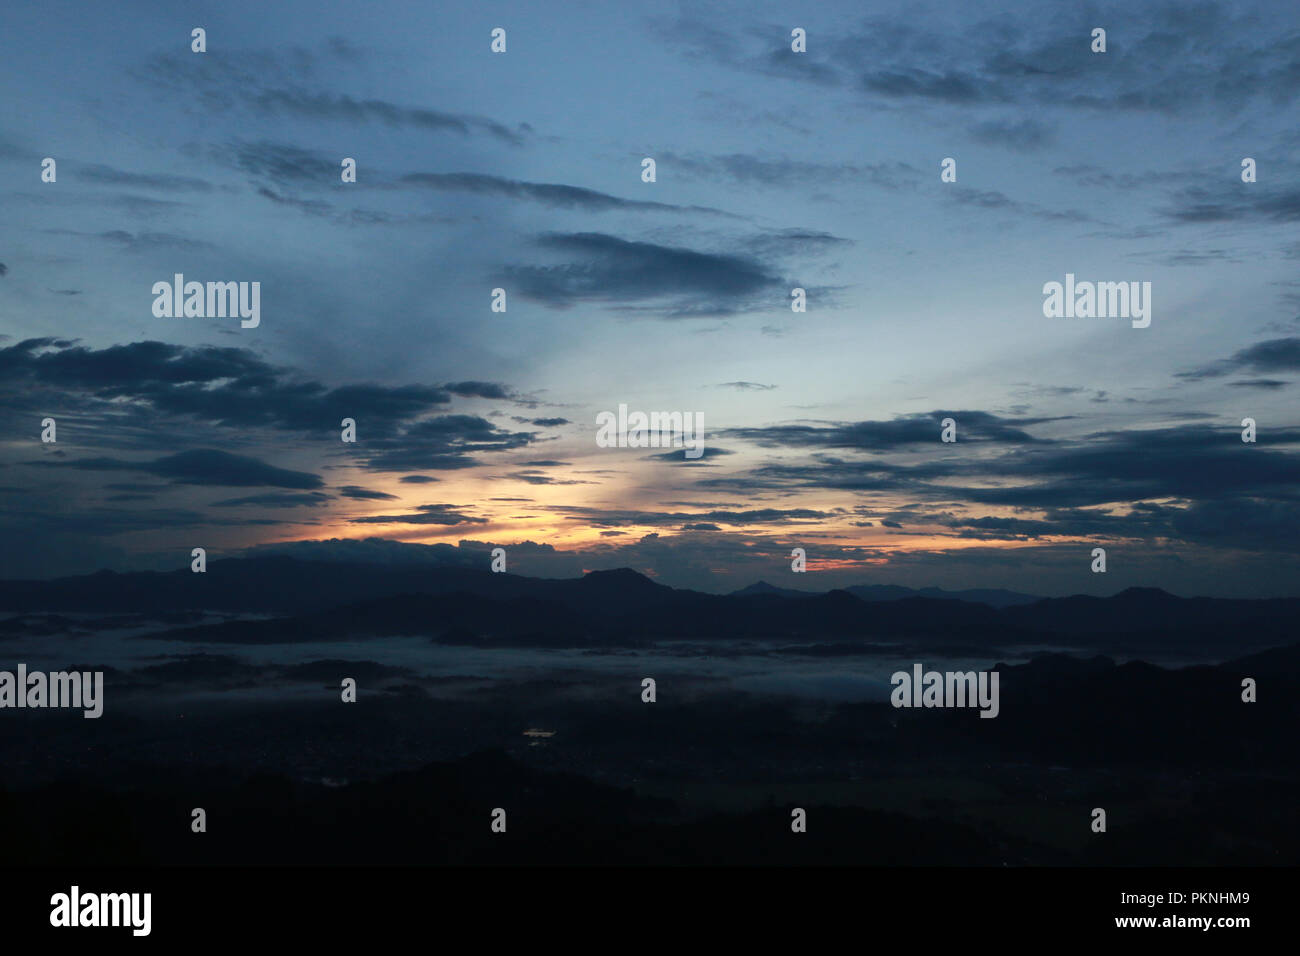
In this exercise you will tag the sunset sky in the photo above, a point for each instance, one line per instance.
(775, 170)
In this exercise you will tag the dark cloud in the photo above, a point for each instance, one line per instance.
(539, 478)
(1274, 355)
(1191, 462)
(425, 514)
(207, 466)
(289, 81)
(374, 551)
(674, 282)
(782, 243)
(1246, 523)
(80, 523)
(144, 241)
(995, 200)
(444, 443)
(478, 390)
(235, 387)
(972, 426)
(108, 176)
(1252, 202)
(365, 494)
(313, 207)
(615, 518)
(948, 86)
(312, 499)
(1025, 135)
(557, 195)
(1167, 59)
(1187, 257)
(1266, 384)
(745, 169)
(679, 454)
(281, 162)
(1094, 176)
(343, 108)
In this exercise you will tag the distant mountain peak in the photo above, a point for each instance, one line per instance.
(1136, 592)
(767, 589)
(760, 587)
(621, 576)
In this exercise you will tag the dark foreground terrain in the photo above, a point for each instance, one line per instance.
(1187, 772)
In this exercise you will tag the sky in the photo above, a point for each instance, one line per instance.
(774, 170)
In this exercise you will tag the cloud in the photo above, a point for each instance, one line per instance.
(207, 466)
(973, 426)
(1274, 355)
(539, 478)
(312, 499)
(365, 494)
(1246, 523)
(948, 86)
(144, 241)
(280, 162)
(1267, 384)
(109, 176)
(676, 282)
(1252, 203)
(1167, 59)
(290, 81)
(994, 199)
(478, 390)
(1191, 462)
(314, 207)
(425, 514)
(443, 443)
(679, 455)
(600, 517)
(1094, 176)
(1025, 136)
(373, 551)
(219, 385)
(556, 195)
(745, 169)
(343, 108)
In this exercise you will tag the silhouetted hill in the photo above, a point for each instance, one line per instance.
(993, 597)
(1162, 617)
(763, 589)
(326, 599)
